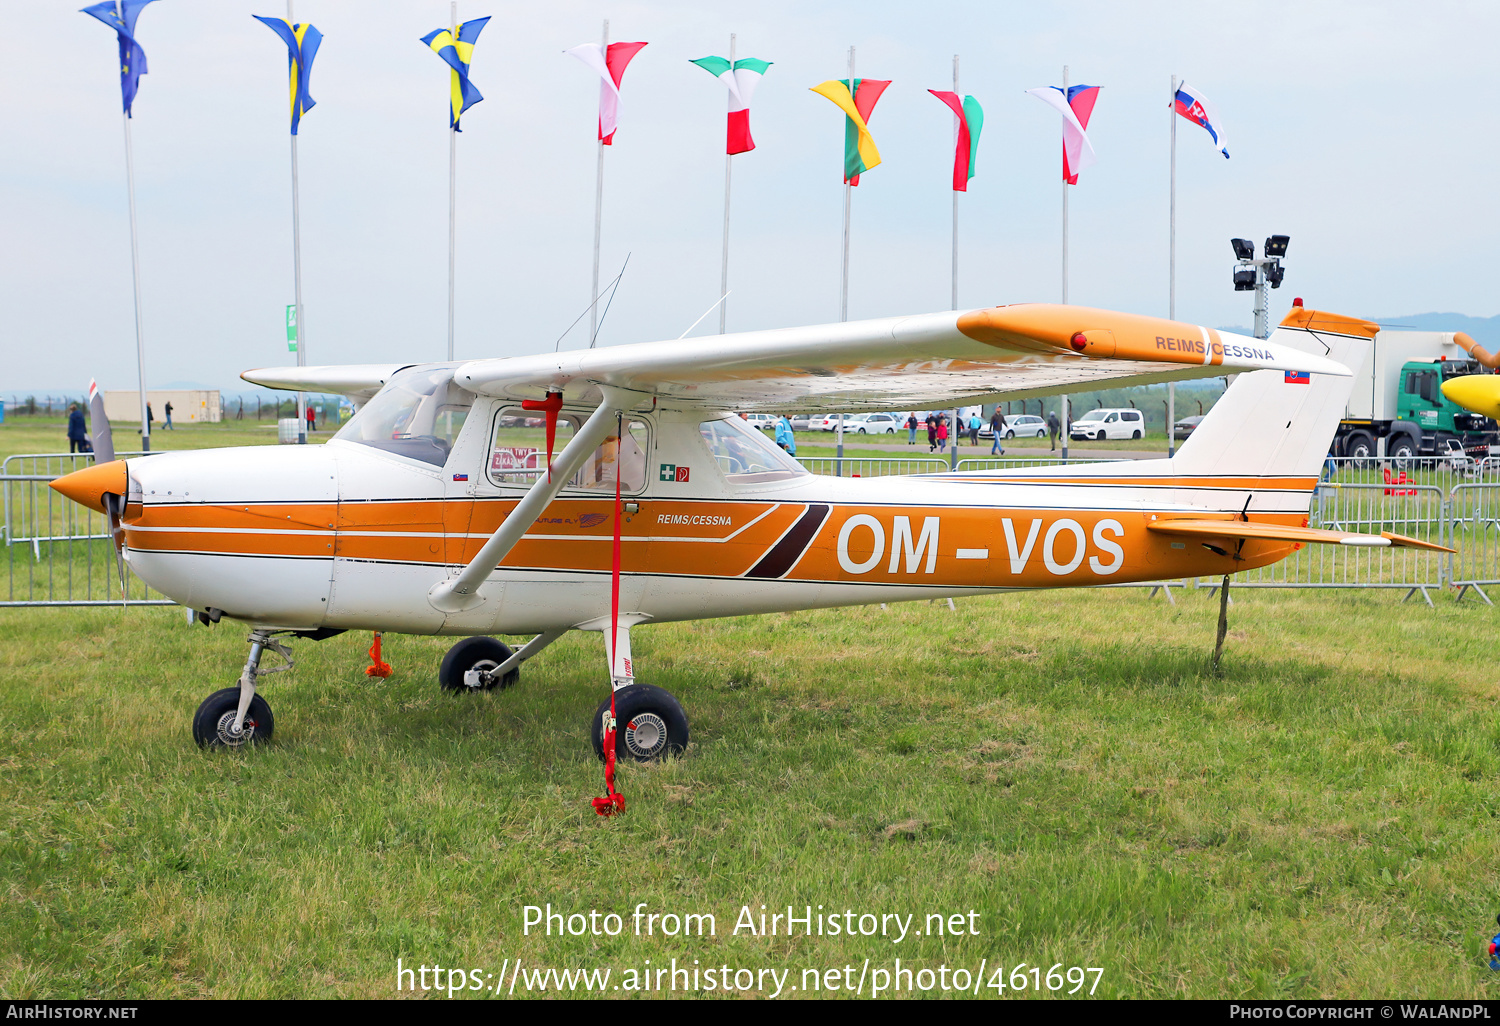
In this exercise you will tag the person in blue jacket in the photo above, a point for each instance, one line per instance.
(784, 436)
(77, 431)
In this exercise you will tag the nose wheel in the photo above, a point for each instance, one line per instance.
(213, 723)
(650, 724)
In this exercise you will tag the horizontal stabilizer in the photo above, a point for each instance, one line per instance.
(1285, 532)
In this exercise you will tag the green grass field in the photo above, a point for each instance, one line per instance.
(1320, 821)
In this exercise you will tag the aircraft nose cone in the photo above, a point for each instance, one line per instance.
(1478, 393)
(88, 487)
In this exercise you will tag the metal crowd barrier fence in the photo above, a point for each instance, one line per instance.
(56, 552)
(873, 466)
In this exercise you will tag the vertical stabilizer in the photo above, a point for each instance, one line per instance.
(1279, 423)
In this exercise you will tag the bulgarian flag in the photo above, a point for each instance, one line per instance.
(610, 65)
(966, 142)
(741, 77)
(857, 104)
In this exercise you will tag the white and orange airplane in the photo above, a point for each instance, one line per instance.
(432, 511)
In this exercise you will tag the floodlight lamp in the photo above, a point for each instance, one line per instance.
(1276, 245)
(1274, 274)
(1244, 249)
(1244, 280)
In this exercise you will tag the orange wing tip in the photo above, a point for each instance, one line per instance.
(1101, 334)
(1402, 541)
(1338, 324)
(88, 487)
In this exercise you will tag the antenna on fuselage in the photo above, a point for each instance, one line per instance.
(586, 309)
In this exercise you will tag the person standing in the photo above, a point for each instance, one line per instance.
(997, 428)
(312, 418)
(1053, 427)
(974, 424)
(167, 409)
(77, 433)
(942, 432)
(784, 436)
(150, 417)
(931, 432)
(911, 428)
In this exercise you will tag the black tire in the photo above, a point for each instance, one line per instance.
(1041, 434)
(1100, 436)
(861, 430)
(475, 654)
(1010, 434)
(1400, 447)
(1135, 434)
(651, 724)
(215, 716)
(1359, 445)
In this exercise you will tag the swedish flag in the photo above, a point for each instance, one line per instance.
(457, 52)
(302, 46)
(121, 18)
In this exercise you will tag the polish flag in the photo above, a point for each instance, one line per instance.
(610, 65)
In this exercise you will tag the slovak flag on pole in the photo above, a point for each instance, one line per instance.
(610, 65)
(1194, 106)
(1076, 108)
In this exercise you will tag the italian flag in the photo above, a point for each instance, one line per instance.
(970, 119)
(857, 104)
(741, 77)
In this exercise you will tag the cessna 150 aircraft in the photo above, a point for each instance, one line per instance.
(425, 514)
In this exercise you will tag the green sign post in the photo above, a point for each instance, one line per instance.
(291, 327)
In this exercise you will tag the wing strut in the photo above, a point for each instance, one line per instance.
(459, 593)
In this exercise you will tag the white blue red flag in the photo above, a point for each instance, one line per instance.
(1076, 107)
(1194, 106)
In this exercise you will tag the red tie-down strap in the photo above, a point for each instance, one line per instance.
(548, 406)
(377, 668)
(613, 801)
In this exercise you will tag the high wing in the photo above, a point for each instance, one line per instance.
(925, 361)
(357, 381)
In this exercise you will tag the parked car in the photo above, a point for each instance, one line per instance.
(1185, 427)
(1026, 425)
(803, 421)
(1108, 424)
(874, 424)
(764, 421)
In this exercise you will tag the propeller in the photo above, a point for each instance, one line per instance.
(101, 437)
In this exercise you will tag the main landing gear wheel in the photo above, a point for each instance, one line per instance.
(650, 724)
(470, 665)
(213, 723)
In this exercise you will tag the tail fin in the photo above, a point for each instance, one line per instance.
(1276, 423)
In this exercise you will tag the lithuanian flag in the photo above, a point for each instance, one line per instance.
(857, 103)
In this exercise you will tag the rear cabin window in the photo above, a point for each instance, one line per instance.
(518, 453)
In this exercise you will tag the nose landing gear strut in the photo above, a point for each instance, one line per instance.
(237, 716)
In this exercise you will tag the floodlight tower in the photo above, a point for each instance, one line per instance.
(1253, 275)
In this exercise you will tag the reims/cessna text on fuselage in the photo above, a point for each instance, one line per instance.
(434, 510)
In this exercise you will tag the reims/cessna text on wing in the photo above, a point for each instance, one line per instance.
(434, 512)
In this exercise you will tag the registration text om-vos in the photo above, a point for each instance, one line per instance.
(1062, 545)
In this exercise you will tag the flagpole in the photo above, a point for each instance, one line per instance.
(135, 277)
(838, 467)
(598, 208)
(953, 432)
(1066, 410)
(452, 194)
(728, 172)
(297, 274)
(1172, 267)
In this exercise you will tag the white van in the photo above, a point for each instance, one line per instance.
(1105, 423)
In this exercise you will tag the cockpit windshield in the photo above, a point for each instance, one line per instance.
(417, 414)
(744, 455)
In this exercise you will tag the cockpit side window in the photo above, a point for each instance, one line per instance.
(418, 414)
(744, 455)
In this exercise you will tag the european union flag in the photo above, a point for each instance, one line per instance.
(121, 18)
(457, 52)
(302, 46)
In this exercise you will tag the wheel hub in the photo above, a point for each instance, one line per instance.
(481, 674)
(645, 735)
(225, 730)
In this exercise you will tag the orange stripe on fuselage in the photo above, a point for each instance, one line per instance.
(940, 546)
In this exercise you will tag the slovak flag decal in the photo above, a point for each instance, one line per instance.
(1194, 106)
(1298, 378)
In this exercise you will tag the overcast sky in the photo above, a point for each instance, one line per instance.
(1364, 130)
